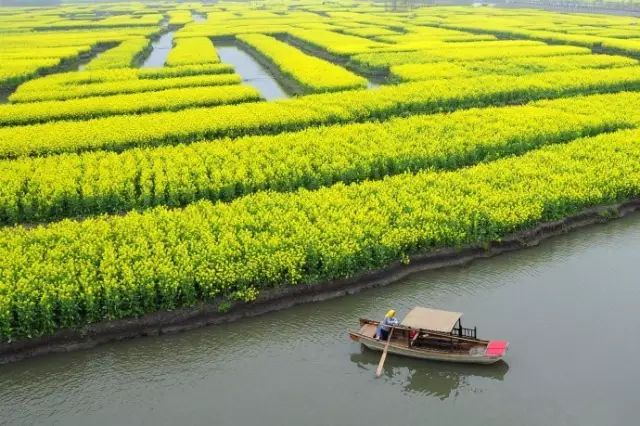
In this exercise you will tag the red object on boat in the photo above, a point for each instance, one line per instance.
(496, 348)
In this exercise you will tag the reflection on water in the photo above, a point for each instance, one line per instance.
(159, 51)
(251, 71)
(569, 309)
(439, 379)
(198, 17)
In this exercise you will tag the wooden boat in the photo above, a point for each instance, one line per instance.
(433, 334)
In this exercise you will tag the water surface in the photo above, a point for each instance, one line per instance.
(251, 71)
(159, 51)
(198, 17)
(569, 308)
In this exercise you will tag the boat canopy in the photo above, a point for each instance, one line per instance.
(431, 319)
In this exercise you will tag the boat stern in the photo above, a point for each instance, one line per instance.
(496, 349)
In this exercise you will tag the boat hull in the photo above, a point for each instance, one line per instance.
(424, 353)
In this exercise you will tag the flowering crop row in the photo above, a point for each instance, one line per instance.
(370, 32)
(149, 19)
(120, 132)
(105, 88)
(514, 66)
(229, 31)
(421, 34)
(15, 71)
(194, 50)
(624, 47)
(179, 17)
(434, 47)
(48, 39)
(597, 33)
(335, 43)
(99, 106)
(46, 52)
(381, 61)
(542, 35)
(313, 74)
(32, 189)
(229, 24)
(72, 273)
(62, 86)
(122, 56)
(18, 64)
(184, 70)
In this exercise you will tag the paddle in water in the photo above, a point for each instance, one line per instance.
(384, 354)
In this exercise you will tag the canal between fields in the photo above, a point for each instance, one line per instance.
(198, 17)
(251, 71)
(569, 309)
(160, 49)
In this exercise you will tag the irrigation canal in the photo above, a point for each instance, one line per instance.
(251, 71)
(569, 308)
(198, 17)
(159, 51)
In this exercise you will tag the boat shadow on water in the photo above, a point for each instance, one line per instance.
(431, 378)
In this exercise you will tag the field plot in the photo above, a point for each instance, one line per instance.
(193, 51)
(126, 191)
(312, 74)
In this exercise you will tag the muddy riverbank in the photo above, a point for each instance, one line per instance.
(281, 298)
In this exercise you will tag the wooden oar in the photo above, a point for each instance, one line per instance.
(384, 354)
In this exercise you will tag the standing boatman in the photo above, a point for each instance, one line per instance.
(382, 333)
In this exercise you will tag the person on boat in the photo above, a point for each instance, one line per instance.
(384, 328)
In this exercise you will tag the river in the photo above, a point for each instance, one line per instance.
(569, 308)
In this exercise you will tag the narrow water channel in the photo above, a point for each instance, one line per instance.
(159, 51)
(251, 71)
(198, 17)
(82, 62)
(569, 308)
